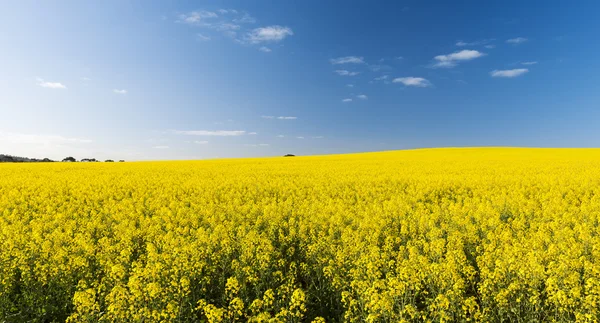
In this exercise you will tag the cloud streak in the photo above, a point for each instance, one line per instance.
(50, 85)
(516, 41)
(273, 33)
(509, 73)
(451, 60)
(346, 73)
(347, 60)
(413, 81)
(219, 133)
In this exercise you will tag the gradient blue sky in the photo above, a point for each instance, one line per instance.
(204, 79)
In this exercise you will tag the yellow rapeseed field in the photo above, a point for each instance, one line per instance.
(436, 235)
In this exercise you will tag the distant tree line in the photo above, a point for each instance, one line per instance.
(17, 159)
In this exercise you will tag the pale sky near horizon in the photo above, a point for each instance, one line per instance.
(219, 78)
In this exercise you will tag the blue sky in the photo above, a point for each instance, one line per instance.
(207, 79)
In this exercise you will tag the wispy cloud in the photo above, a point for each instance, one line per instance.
(280, 136)
(202, 37)
(273, 33)
(382, 78)
(490, 46)
(86, 79)
(299, 137)
(347, 60)
(196, 18)
(265, 49)
(253, 133)
(50, 85)
(347, 100)
(461, 43)
(529, 63)
(453, 59)
(226, 11)
(161, 147)
(220, 133)
(200, 142)
(362, 97)
(413, 81)
(509, 73)
(120, 91)
(350, 85)
(279, 118)
(346, 73)
(317, 137)
(245, 19)
(516, 41)
(379, 67)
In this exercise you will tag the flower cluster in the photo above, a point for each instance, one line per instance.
(439, 235)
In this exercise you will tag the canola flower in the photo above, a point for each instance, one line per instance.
(432, 235)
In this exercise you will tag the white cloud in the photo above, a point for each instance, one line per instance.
(452, 60)
(381, 78)
(529, 63)
(347, 60)
(509, 73)
(490, 46)
(280, 136)
(161, 147)
(86, 79)
(269, 34)
(265, 49)
(413, 81)
(202, 37)
(279, 118)
(350, 85)
(200, 142)
(120, 91)
(461, 43)
(196, 17)
(252, 133)
(50, 85)
(362, 97)
(346, 73)
(516, 41)
(227, 11)
(221, 133)
(347, 100)
(226, 26)
(317, 137)
(300, 137)
(399, 57)
(264, 145)
(245, 19)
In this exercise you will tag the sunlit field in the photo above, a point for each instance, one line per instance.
(479, 235)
